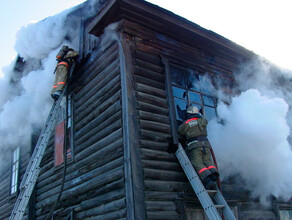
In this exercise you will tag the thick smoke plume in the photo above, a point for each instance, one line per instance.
(251, 139)
(25, 96)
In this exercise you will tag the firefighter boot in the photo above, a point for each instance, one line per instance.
(214, 176)
(209, 183)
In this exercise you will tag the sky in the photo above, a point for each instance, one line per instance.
(262, 26)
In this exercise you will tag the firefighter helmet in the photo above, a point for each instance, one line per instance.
(192, 110)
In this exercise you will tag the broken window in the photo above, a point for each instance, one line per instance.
(190, 88)
(64, 132)
(187, 87)
(14, 171)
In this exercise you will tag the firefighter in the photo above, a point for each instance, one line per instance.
(65, 58)
(194, 131)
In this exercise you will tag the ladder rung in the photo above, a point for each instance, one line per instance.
(211, 192)
(219, 206)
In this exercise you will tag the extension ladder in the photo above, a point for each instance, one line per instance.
(203, 195)
(33, 168)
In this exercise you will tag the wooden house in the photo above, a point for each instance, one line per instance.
(139, 64)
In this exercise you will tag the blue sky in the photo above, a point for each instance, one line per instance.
(263, 26)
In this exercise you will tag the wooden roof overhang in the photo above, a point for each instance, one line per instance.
(165, 22)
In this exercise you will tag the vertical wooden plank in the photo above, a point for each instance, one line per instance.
(170, 100)
(133, 169)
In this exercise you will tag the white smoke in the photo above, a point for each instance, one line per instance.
(25, 97)
(252, 138)
(39, 39)
(25, 102)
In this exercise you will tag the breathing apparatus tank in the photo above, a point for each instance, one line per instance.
(62, 52)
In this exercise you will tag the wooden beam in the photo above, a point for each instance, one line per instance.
(133, 170)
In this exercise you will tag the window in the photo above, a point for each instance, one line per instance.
(285, 214)
(64, 132)
(14, 171)
(191, 88)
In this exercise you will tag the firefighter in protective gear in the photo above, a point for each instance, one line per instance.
(65, 58)
(194, 129)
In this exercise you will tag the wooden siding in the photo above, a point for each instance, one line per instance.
(165, 184)
(94, 183)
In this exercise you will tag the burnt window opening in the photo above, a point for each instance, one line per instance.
(189, 88)
(15, 171)
(64, 132)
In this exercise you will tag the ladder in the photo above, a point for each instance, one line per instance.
(33, 168)
(203, 195)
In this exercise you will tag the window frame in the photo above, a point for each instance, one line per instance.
(168, 62)
(14, 177)
(66, 121)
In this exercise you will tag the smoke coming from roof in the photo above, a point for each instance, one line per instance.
(25, 96)
(252, 138)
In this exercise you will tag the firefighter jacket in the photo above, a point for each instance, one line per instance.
(194, 129)
(62, 69)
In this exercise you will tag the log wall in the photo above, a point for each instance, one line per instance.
(94, 183)
(167, 193)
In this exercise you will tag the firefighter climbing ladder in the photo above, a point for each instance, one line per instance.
(32, 171)
(203, 194)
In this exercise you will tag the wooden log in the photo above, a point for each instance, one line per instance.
(194, 55)
(154, 145)
(148, 81)
(157, 155)
(105, 208)
(160, 206)
(117, 215)
(149, 66)
(46, 166)
(163, 215)
(112, 85)
(154, 100)
(108, 66)
(103, 116)
(6, 210)
(4, 185)
(147, 116)
(51, 189)
(96, 126)
(167, 186)
(149, 74)
(164, 175)
(101, 80)
(4, 198)
(148, 89)
(153, 58)
(103, 107)
(101, 135)
(165, 42)
(103, 198)
(94, 73)
(161, 196)
(155, 126)
(154, 136)
(94, 183)
(152, 108)
(161, 164)
(97, 99)
(107, 153)
(87, 73)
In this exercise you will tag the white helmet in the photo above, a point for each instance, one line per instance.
(192, 109)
